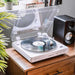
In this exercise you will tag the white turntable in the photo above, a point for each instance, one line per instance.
(30, 35)
(34, 56)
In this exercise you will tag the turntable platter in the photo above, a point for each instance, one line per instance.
(38, 45)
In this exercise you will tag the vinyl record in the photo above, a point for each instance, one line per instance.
(36, 44)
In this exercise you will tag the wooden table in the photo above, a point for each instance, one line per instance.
(61, 65)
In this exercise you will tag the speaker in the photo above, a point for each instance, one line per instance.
(64, 29)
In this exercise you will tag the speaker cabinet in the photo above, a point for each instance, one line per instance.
(64, 29)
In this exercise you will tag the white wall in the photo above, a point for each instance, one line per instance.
(68, 7)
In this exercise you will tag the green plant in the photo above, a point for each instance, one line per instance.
(2, 2)
(8, 0)
(4, 17)
(14, 1)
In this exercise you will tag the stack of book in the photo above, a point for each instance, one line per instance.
(35, 4)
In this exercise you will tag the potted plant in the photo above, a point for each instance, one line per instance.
(4, 17)
(8, 4)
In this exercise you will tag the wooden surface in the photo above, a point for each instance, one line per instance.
(71, 50)
(23, 66)
(64, 66)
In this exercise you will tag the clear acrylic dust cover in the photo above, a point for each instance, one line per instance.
(33, 22)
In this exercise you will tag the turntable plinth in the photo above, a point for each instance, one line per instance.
(61, 65)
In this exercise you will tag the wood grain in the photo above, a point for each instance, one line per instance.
(13, 69)
(52, 69)
(18, 65)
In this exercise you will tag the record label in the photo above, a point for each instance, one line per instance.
(38, 43)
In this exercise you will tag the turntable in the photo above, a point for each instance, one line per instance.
(30, 35)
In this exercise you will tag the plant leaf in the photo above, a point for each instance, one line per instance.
(4, 17)
(4, 25)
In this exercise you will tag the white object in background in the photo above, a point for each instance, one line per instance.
(9, 5)
(22, 4)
